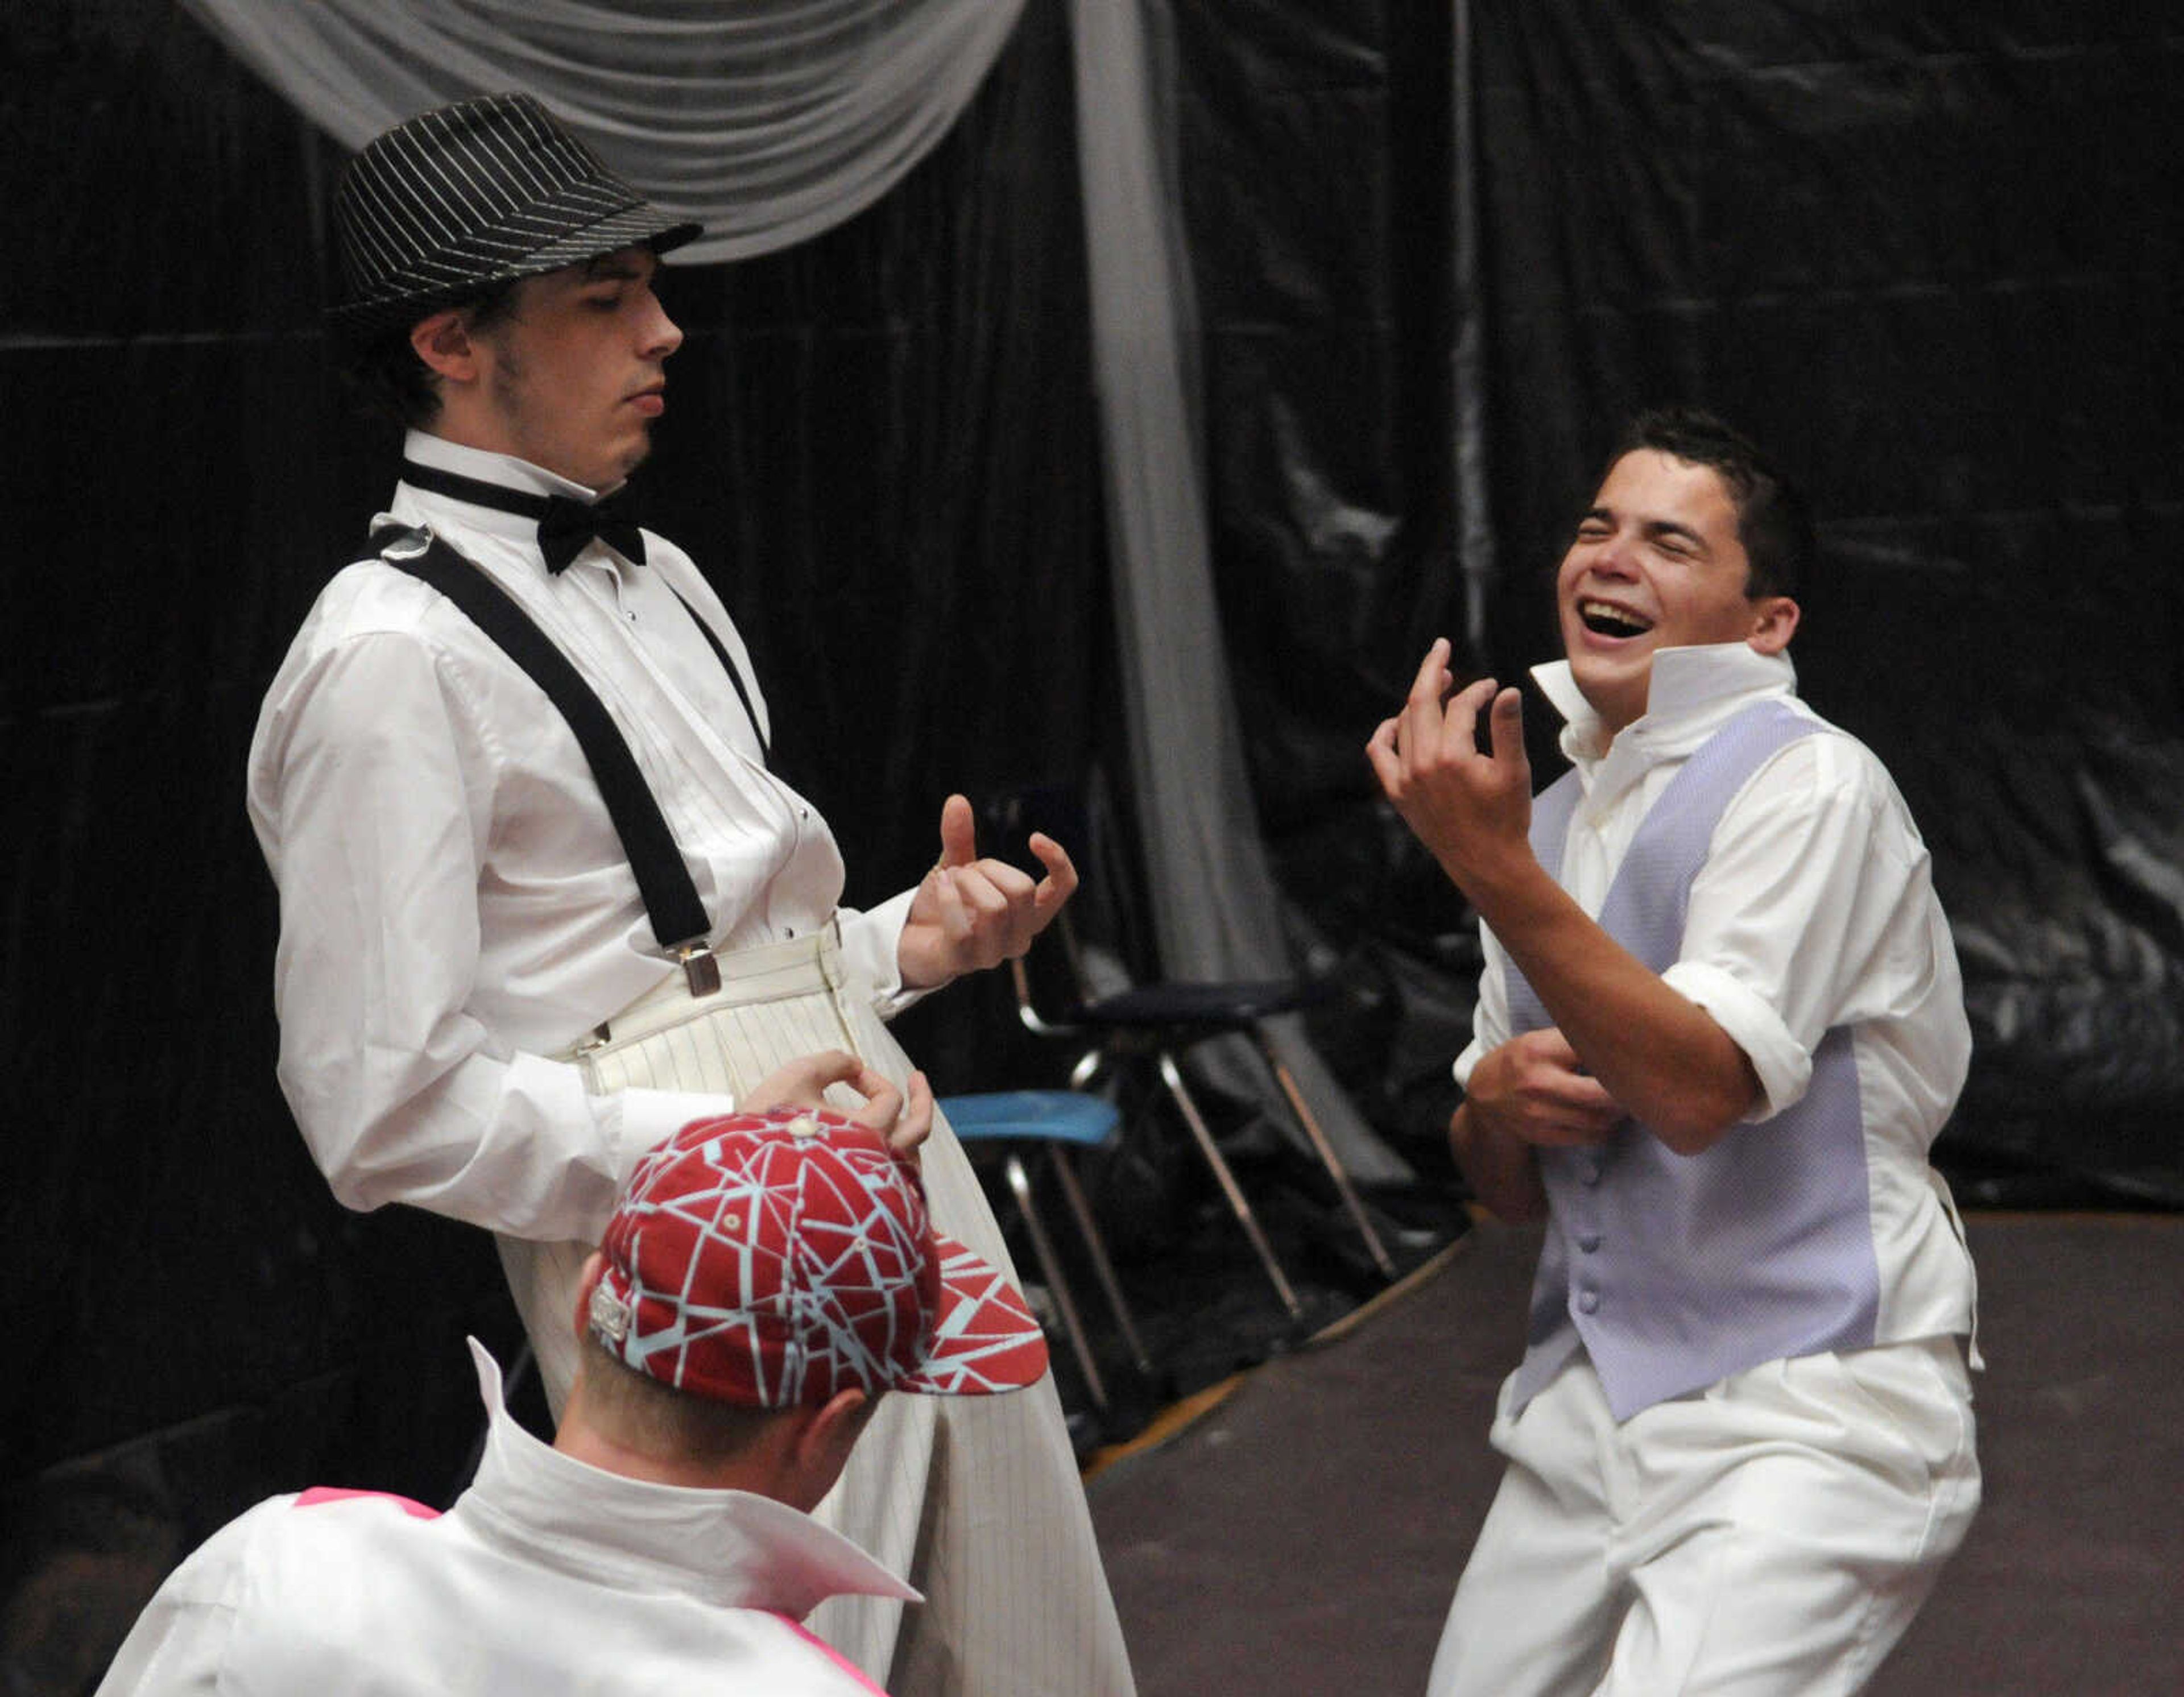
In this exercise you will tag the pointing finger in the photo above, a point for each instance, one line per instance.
(1432, 680)
(959, 832)
(1506, 729)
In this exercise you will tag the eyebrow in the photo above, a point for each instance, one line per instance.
(612, 267)
(1654, 528)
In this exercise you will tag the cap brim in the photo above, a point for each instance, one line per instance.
(984, 1339)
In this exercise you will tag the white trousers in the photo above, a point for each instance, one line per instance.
(1771, 1536)
(976, 1499)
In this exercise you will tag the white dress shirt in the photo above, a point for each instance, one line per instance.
(547, 1575)
(455, 906)
(1814, 909)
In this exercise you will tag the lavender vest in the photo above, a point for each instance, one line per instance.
(1675, 1270)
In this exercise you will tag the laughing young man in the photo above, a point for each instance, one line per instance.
(541, 899)
(1720, 1026)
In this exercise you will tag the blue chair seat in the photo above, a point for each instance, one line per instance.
(1053, 1120)
(1066, 1116)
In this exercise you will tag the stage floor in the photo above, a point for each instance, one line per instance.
(1303, 1536)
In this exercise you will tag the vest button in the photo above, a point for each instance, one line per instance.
(1590, 1172)
(1588, 1241)
(1588, 1302)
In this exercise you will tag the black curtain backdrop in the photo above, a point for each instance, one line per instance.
(1927, 253)
(883, 449)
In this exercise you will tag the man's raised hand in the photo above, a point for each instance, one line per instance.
(969, 913)
(1467, 807)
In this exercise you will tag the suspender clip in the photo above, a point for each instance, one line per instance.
(701, 968)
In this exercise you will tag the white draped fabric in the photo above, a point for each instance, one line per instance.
(771, 121)
(767, 121)
(1215, 906)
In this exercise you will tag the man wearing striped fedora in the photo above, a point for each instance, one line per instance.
(542, 901)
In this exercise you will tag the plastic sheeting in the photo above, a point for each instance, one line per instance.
(1928, 254)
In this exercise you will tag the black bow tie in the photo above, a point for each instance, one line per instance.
(565, 526)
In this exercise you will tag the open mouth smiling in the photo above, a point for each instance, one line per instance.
(1606, 619)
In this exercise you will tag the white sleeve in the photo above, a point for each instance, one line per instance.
(1490, 1019)
(870, 940)
(1814, 909)
(179, 1643)
(380, 813)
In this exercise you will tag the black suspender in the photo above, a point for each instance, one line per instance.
(735, 677)
(679, 917)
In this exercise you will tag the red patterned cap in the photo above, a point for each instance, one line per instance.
(771, 1260)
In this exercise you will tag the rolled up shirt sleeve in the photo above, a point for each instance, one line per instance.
(1811, 912)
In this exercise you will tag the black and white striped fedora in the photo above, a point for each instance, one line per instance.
(476, 194)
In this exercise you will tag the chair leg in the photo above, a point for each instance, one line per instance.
(1090, 1065)
(1043, 1247)
(1173, 1077)
(1095, 1245)
(1328, 1158)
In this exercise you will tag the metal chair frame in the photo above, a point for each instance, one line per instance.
(1157, 1038)
(1011, 1135)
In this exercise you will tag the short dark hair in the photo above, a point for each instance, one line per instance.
(666, 1421)
(1773, 520)
(388, 379)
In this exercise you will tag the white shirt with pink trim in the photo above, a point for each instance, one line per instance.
(547, 1575)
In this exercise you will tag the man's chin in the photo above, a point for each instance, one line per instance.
(634, 456)
(1614, 689)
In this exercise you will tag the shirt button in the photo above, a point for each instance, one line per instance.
(1588, 1302)
(1588, 1241)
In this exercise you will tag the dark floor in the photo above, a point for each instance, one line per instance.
(1305, 1536)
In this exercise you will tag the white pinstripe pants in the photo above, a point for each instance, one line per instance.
(977, 1500)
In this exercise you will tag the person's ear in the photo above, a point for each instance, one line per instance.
(587, 1280)
(823, 1442)
(1774, 622)
(445, 343)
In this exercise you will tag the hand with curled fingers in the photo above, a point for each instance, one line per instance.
(904, 1117)
(1467, 807)
(1533, 1089)
(970, 914)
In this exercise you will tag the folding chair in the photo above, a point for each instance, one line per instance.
(1158, 1022)
(1017, 1120)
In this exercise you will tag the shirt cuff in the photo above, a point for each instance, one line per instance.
(650, 1117)
(871, 940)
(1784, 1065)
(1472, 1055)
